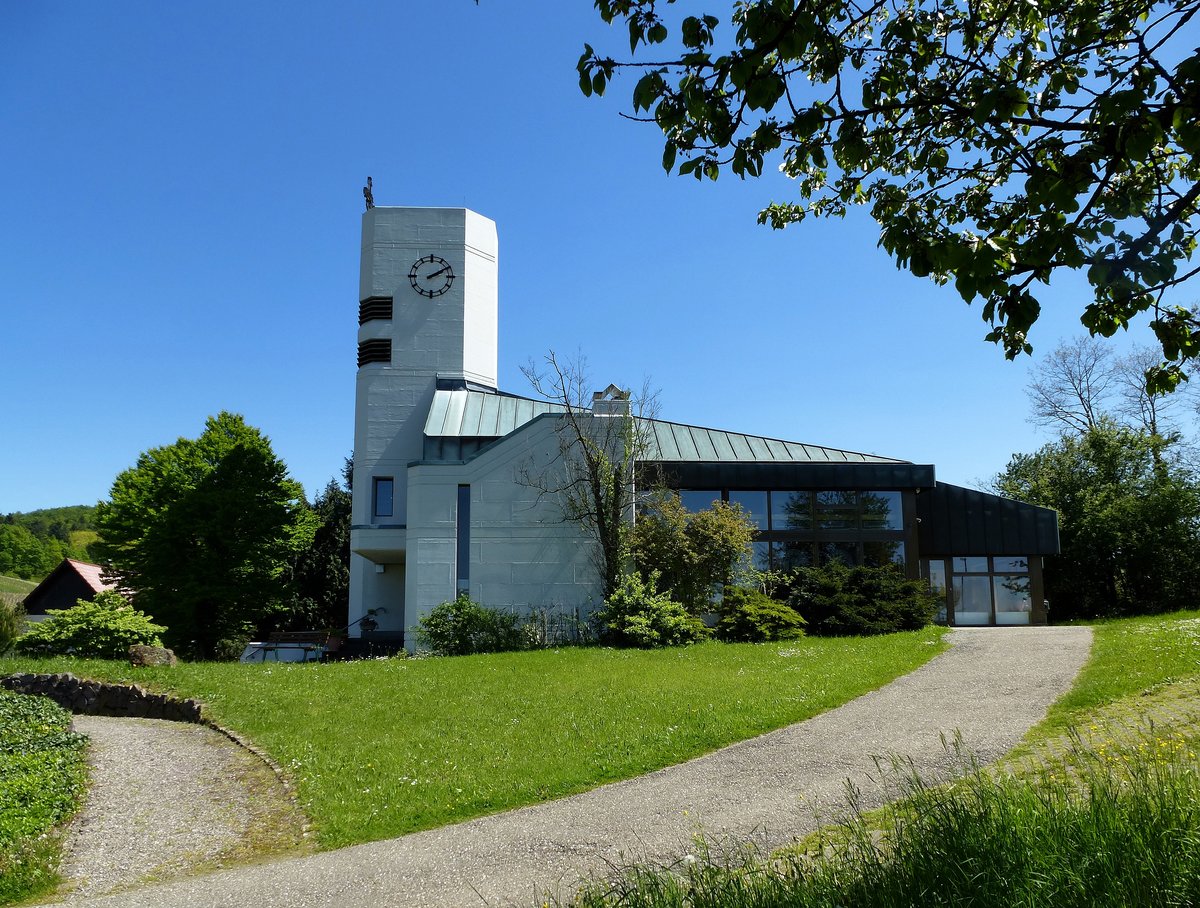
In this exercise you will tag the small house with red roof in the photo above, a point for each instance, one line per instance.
(64, 587)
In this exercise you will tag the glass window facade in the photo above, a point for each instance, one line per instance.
(699, 499)
(806, 527)
(982, 590)
(754, 504)
(791, 510)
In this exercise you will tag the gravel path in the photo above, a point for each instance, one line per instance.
(168, 798)
(990, 687)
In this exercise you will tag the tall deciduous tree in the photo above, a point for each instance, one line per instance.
(203, 533)
(322, 573)
(1129, 521)
(996, 142)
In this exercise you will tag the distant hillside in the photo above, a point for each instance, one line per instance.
(33, 543)
(13, 589)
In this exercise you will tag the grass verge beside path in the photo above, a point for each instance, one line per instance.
(1130, 657)
(383, 748)
(1100, 807)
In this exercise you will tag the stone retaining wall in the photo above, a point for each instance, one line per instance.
(97, 698)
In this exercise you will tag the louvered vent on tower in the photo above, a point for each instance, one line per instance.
(374, 308)
(376, 350)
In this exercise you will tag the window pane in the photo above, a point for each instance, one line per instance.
(789, 555)
(970, 565)
(1012, 598)
(845, 552)
(383, 497)
(881, 511)
(972, 600)
(837, 510)
(1017, 565)
(754, 504)
(791, 510)
(935, 573)
(876, 554)
(698, 500)
(762, 556)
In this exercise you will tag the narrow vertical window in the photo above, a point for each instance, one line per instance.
(462, 582)
(383, 496)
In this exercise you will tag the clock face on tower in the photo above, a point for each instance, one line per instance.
(431, 276)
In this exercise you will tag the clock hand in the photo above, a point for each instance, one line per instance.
(437, 273)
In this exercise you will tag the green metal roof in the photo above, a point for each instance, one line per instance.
(675, 442)
(480, 414)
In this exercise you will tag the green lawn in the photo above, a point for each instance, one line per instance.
(382, 748)
(1131, 658)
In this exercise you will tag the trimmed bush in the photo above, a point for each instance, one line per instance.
(750, 616)
(463, 627)
(103, 629)
(637, 615)
(840, 601)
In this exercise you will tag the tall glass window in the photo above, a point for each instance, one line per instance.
(881, 511)
(837, 510)
(791, 510)
(754, 504)
(698, 499)
(936, 571)
(879, 553)
(462, 574)
(972, 600)
(844, 552)
(1013, 598)
(382, 496)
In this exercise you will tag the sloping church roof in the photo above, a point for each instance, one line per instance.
(481, 414)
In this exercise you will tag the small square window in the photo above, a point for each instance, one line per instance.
(383, 496)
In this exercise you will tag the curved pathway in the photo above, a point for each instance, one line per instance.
(989, 688)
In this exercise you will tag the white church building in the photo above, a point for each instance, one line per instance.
(442, 501)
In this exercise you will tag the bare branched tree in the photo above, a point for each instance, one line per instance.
(602, 437)
(1153, 411)
(1074, 385)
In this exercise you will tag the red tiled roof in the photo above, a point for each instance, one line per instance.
(90, 574)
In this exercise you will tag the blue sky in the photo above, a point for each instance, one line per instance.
(182, 201)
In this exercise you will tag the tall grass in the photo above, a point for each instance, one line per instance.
(1118, 827)
(382, 748)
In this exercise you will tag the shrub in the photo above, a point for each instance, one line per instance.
(836, 600)
(42, 781)
(750, 616)
(463, 626)
(103, 629)
(12, 621)
(695, 554)
(636, 615)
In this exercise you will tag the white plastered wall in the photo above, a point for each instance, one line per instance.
(524, 555)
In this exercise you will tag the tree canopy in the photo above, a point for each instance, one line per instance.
(203, 533)
(996, 142)
(1129, 521)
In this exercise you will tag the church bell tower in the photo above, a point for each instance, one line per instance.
(427, 319)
